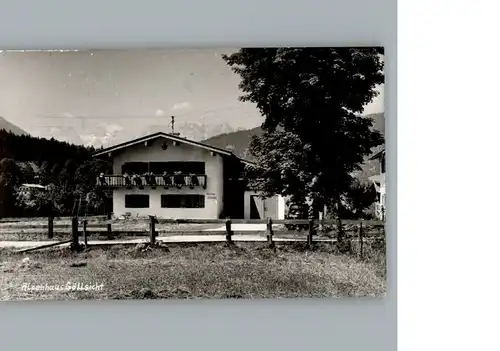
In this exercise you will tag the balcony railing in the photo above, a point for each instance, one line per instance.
(167, 181)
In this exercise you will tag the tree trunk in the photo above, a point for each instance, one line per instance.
(342, 244)
(310, 211)
(311, 215)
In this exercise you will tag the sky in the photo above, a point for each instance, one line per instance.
(123, 91)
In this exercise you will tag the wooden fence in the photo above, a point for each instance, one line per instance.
(84, 226)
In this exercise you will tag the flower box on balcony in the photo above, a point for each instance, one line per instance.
(177, 180)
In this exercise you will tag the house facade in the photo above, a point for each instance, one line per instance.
(172, 177)
(380, 185)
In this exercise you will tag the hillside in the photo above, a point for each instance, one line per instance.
(9, 127)
(238, 142)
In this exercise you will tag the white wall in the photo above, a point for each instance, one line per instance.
(182, 152)
(383, 197)
(275, 213)
(281, 207)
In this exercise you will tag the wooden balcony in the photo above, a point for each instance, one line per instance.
(166, 181)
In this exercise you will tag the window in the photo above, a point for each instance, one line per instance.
(183, 201)
(136, 201)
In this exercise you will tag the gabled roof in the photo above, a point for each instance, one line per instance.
(171, 137)
(380, 178)
(378, 155)
(250, 163)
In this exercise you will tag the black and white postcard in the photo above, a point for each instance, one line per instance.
(192, 174)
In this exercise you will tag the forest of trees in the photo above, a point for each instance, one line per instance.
(68, 171)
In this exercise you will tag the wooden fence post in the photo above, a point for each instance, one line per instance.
(270, 232)
(152, 229)
(85, 233)
(320, 227)
(229, 232)
(360, 236)
(74, 233)
(109, 224)
(50, 233)
(311, 232)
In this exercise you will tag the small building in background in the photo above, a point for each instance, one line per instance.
(380, 185)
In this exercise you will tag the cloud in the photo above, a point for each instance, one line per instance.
(181, 106)
(160, 113)
(113, 128)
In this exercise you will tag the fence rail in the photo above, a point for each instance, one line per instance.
(243, 221)
(101, 223)
(103, 220)
(11, 220)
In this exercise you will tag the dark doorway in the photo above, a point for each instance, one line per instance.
(234, 199)
(233, 189)
(257, 207)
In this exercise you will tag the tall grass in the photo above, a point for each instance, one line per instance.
(243, 270)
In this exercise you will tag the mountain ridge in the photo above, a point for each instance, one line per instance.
(238, 143)
(108, 135)
(239, 140)
(11, 127)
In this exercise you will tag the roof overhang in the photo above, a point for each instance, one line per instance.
(247, 163)
(378, 155)
(378, 178)
(161, 135)
(154, 136)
